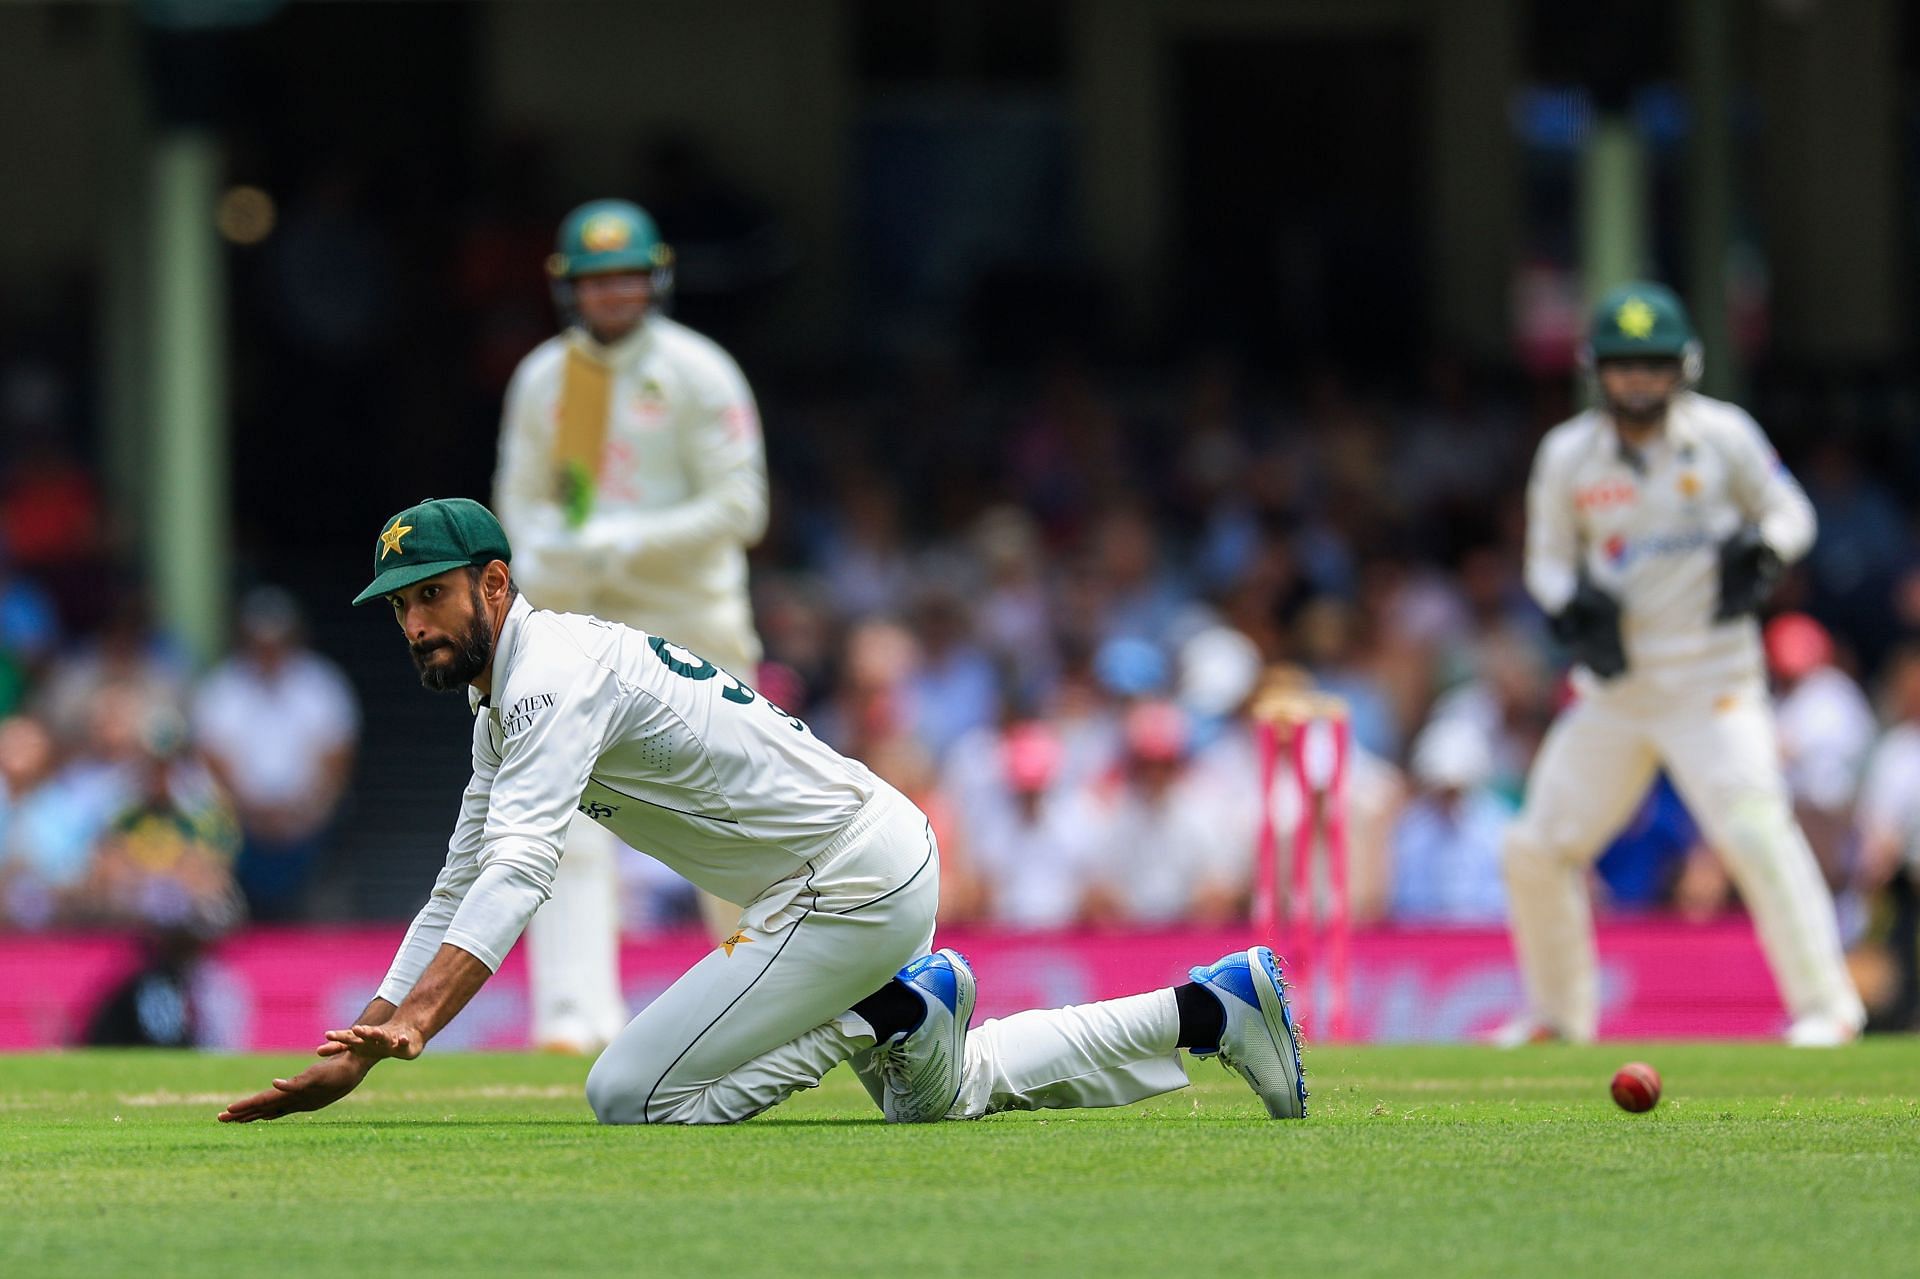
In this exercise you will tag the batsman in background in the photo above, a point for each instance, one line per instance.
(1657, 522)
(632, 480)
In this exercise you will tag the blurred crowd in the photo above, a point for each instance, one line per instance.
(137, 794)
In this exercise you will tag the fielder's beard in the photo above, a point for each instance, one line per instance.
(471, 650)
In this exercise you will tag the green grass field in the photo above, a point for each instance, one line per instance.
(1759, 1160)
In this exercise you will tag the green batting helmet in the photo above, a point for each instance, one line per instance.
(602, 236)
(1643, 319)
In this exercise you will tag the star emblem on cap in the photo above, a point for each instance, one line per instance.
(390, 540)
(1635, 318)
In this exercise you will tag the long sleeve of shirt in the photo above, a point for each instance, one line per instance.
(1553, 537)
(534, 749)
(1768, 493)
(542, 736)
(429, 927)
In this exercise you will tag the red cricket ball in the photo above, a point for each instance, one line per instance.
(1636, 1087)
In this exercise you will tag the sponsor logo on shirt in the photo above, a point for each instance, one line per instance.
(649, 406)
(1596, 497)
(598, 811)
(1621, 552)
(522, 713)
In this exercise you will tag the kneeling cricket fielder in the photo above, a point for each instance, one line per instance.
(839, 873)
(1657, 522)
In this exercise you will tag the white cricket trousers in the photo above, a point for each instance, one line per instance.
(1594, 768)
(769, 1014)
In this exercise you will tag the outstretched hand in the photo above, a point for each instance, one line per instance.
(320, 1084)
(374, 1043)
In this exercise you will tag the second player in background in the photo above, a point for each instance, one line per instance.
(631, 481)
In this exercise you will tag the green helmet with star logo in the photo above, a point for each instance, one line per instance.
(1641, 319)
(602, 236)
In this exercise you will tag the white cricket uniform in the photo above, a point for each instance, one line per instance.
(839, 873)
(1647, 527)
(681, 492)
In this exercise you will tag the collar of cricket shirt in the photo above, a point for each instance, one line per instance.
(623, 351)
(505, 649)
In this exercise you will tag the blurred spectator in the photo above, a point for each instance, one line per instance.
(1510, 699)
(1328, 645)
(31, 890)
(1215, 431)
(1446, 845)
(1826, 728)
(126, 653)
(164, 864)
(52, 521)
(1219, 668)
(1064, 454)
(870, 702)
(1134, 594)
(1450, 456)
(906, 766)
(57, 820)
(1013, 617)
(1160, 857)
(954, 688)
(1131, 668)
(798, 630)
(1034, 854)
(164, 871)
(29, 635)
(278, 724)
(1889, 818)
(864, 560)
(1862, 543)
(1889, 809)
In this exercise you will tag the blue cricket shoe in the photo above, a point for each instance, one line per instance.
(1259, 1040)
(920, 1073)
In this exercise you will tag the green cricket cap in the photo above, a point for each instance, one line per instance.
(1640, 319)
(428, 539)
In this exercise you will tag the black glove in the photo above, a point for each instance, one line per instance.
(1589, 629)
(1748, 570)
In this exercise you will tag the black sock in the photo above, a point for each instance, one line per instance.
(892, 1009)
(1201, 1017)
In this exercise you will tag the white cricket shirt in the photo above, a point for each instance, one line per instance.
(681, 493)
(666, 750)
(1647, 527)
